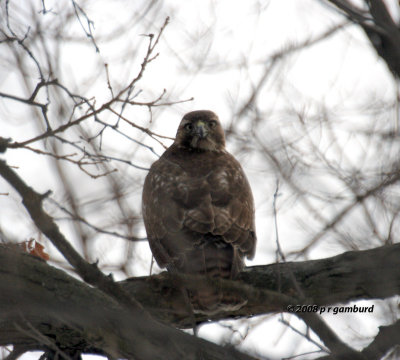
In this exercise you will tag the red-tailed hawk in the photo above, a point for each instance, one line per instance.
(197, 204)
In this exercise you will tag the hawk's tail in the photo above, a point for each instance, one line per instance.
(214, 259)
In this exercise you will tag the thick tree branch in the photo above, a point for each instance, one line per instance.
(90, 273)
(354, 275)
(36, 294)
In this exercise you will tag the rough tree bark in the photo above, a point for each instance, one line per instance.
(43, 308)
(41, 305)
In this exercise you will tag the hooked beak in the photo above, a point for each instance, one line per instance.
(200, 130)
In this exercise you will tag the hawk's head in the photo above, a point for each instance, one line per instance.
(201, 130)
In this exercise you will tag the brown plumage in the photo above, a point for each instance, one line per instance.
(198, 207)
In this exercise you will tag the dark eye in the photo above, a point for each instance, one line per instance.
(212, 124)
(189, 126)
